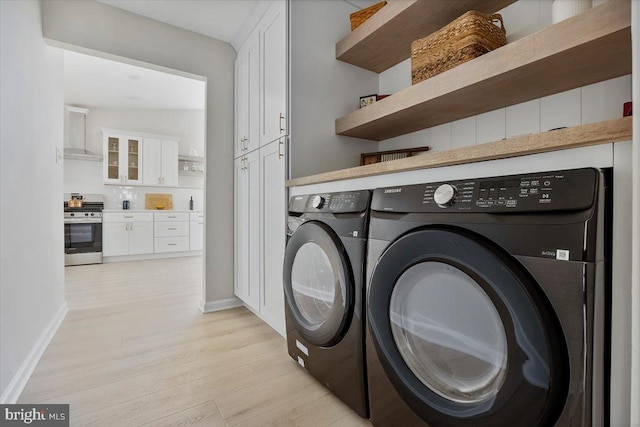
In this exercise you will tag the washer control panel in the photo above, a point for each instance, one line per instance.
(559, 190)
(343, 202)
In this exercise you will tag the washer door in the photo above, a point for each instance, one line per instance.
(463, 333)
(318, 284)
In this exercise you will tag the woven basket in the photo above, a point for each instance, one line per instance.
(357, 18)
(468, 37)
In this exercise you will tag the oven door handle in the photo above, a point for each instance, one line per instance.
(83, 221)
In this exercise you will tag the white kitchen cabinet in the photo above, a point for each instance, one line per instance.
(122, 159)
(273, 50)
(171, 231)
(247, 229)
(127, 233)
(160, 162)
(196, 231)
(273, 230)
(247, 136)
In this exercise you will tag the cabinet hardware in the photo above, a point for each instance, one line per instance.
(173, 244)
(173, 228)
(159, 180)
(281, 123)
(128, 216)
(281, 144)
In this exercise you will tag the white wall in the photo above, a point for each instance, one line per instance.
(186, 124)
(323, 89)
(101, 29)
(589, 104)
(31, 249)
(86, 176)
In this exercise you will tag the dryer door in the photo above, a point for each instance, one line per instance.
(464, 334)
(318, 284)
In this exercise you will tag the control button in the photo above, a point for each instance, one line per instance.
(72, 214)
(93, 214)
(547, 183)
(317, 202)
(445, 195)
(86, 214)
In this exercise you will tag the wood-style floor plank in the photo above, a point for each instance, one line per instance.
(134, 350)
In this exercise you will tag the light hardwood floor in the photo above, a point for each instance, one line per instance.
(135, 350)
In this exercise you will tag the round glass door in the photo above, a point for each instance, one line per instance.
(459, 354)
(314, 282)
(463, 334)
(318, 282)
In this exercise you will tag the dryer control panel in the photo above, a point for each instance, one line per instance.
(546, 191)
(344, 202)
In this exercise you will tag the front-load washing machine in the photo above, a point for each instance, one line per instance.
(324, 290)
(486, 302)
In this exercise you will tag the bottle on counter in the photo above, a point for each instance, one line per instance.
(191, 204)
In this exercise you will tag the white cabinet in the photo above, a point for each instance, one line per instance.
(121, 162)
(127, 234)
(160, 162)
(247, 229)
(273, 49)
(273, 219)
(171, 232)
(196, 231)
(260, 167)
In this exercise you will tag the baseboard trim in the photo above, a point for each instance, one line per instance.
(20, 379)
(144, 257)
(223, 304)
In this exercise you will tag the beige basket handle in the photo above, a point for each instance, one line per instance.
(497, 17)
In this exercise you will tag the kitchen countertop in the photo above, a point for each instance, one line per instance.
(606, 132)
(147, 210)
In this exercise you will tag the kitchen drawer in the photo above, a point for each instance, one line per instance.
(171, 216)
(196, 216)
(171, 244)
(168, 228)
(127, 216)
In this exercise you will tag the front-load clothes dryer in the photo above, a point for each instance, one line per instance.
(486, 302)
(324, 290)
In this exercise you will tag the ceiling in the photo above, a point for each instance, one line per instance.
(90, 81)
(95, 82)
(219, 19)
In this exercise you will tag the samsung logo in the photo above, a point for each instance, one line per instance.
(393, 190)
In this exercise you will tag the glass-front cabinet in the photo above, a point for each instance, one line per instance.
(122, 156)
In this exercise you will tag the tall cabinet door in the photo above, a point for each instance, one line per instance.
(242, 103)
(152, 161)
(248, 96)
(247, 229)
(252, 169)
(273, 46)
(241, 230)
(169, 163)
(273, 231)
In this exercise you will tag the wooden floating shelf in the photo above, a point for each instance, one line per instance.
(191, 159)
(585, 49)
(384, 40)
(575, 137)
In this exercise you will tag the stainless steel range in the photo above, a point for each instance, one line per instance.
(83, 229)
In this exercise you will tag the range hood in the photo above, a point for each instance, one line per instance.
(75, 135)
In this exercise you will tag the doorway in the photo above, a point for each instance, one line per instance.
(135, 138)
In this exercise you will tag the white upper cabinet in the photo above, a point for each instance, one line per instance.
(160, 162)
(122, 155)
(273, 48)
